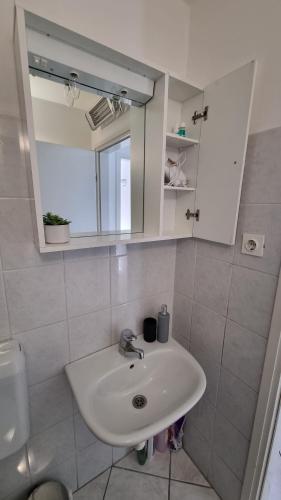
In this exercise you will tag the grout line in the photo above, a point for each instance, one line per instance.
(167, 478)
(202, 474)
(107, 483)
(92, 480)
(213, 452)
(140, 472)
(193, 484)
(6, 305)
(170, 468)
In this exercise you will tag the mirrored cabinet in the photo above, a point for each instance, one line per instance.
(126, 151)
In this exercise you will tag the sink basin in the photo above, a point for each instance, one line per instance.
(106, 383)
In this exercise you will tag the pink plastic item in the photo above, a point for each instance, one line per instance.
(161, 441)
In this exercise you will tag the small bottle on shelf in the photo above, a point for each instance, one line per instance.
(182, 130)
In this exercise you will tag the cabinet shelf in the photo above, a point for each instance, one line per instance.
(177, 141)
(175, 188)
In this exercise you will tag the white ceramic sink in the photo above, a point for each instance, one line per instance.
(105, 383)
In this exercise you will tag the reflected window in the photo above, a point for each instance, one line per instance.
(115, 186)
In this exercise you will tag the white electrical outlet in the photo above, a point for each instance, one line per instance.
(253, 244)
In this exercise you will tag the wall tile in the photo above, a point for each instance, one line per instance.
(9, 127)
(92, 461)
(4, 320)
(35, 297)
(212, 372)
(185, 267)
(243, 354)
(260, 219)
(14, 474)
(237, 402)
(12, 165)
(146, 270)
(89, 333)
(85, 254)
(212, 281)
(230, 445)
(132, 314)
(182, 310)
(262, 177)
(26, 254)
(207, 331)
(50, 402)
(10, 152)
(51, 447)
(12, 171)
(214, 250)
(197, 447)
(15, 229)
(251, 299)
(119, 453)
(223, 480)
(46, 351)
(83, 436)
(202, 416)
(87, 285)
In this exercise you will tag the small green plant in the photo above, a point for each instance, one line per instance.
(50, 219)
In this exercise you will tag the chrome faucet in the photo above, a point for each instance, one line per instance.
(126, 347)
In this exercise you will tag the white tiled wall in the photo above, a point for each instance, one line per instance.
(222, 311)
(61, 307)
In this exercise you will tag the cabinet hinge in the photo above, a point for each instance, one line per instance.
(197, 116)
(189, 214)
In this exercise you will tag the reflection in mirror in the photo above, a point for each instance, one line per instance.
(90, 152)
(115, 186)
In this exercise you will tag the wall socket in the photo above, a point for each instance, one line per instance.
(253, 244)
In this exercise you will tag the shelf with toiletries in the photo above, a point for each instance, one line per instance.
(177, 141)
(182, 140)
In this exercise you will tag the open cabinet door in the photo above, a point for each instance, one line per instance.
(222, 152)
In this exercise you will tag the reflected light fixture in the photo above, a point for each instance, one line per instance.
(71, 89)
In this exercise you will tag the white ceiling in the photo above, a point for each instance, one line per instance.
(41, 88)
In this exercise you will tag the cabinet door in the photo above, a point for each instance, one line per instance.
(222, 154)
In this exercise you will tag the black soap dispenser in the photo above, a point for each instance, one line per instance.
(163, 324)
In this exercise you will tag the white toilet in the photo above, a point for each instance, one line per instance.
(14, 414)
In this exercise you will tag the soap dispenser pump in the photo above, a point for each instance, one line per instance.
(163, 324)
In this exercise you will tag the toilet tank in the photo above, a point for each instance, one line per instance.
(14, 414)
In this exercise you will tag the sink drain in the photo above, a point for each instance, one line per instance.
(139, 401)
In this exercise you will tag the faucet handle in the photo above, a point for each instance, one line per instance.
(128, 335)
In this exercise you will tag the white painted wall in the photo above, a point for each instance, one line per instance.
(154, 30)
(60, 124)
(224, 34)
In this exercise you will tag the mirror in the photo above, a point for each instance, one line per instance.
(90, 153)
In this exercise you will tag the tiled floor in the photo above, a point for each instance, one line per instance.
(166, 477)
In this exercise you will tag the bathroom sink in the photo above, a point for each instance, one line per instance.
(125, 401)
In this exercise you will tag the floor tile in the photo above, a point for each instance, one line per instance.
(93, 490)
(183, 469)
(158, 466)
(182, 491)
(128, 485)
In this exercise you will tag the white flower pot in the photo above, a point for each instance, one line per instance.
(57, 234)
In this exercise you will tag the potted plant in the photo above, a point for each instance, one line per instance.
(56, 228)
